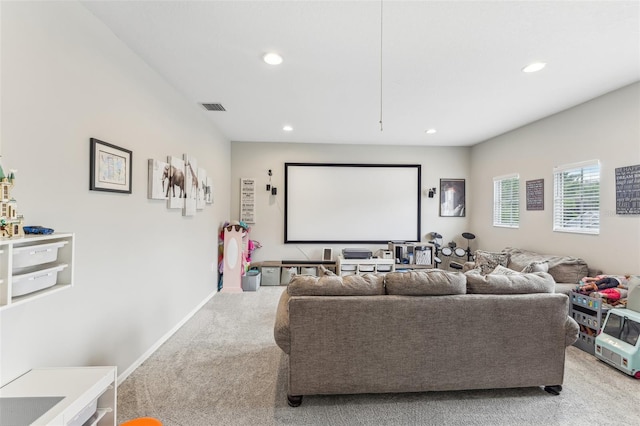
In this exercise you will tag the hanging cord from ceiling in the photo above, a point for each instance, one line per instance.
(381, 65)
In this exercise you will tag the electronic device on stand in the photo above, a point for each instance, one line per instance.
(437, 243)
(451, 250)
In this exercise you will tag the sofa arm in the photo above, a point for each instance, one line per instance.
(571, 330)
(281, 331)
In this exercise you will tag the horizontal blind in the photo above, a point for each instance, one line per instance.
(506, 201)
(576, 197)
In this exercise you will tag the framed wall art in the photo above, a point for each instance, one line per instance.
(110, 167)
(452, 198)
(158, 180)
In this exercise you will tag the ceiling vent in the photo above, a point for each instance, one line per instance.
(214, 107)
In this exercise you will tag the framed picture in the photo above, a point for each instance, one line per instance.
(110, 167)
(452, 197)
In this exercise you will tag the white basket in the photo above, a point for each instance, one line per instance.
(34, 281)
(36, 254)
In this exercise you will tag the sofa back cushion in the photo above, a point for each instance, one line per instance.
(334, 285)
(563, 269)
(512, 283)
(432, 282)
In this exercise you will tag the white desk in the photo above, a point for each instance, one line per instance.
(88, 397)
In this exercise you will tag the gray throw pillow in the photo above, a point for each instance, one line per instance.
(487, 261)
(536, 267)
(501, 270)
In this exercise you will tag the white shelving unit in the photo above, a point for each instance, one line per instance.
(363, 266)
(61, 397)
(34, 266)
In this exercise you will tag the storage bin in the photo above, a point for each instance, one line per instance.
(251, 280)
(367, 268)
(36, 254)
(308, 270)
(84, 415)
(384, 268)
(287, 274)
(34, 281)
(348, 267)
(270, 275)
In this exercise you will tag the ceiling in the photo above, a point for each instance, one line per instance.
(454, 66)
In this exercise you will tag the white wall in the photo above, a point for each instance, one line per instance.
(140, 269)
(606, 128)
(253, 160)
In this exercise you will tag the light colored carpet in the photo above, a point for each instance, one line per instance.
(224, 368)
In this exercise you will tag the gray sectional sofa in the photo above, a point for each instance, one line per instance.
(567, 271)
(422, 331)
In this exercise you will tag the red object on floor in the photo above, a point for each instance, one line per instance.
(142, 421)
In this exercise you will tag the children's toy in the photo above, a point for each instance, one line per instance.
(12, 221)
(618, 343)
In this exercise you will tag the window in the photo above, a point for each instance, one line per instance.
(506, 201)
(576, 198)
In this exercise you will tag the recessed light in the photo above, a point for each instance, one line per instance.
(272, 58)
(430, 131)
(536, 66)
(287, 128)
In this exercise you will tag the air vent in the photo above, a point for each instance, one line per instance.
(214, 107)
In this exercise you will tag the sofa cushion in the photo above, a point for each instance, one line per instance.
(536, 266)
(516, 283)
(487, 261)
(433, 282)
(334, 285)
(501, 270)
(563, 269)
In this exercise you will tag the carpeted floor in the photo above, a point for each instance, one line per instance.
(224, 368)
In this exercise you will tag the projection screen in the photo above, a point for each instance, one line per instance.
(351, 203)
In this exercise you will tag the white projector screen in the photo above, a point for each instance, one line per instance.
(351, 203)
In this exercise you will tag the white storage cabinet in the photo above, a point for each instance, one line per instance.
(72, 396)
(364, 266)
(34, 266)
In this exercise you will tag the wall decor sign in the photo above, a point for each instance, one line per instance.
(628, 190)
(535, 194)
(248, 200)
(110, 167)
(452, 197)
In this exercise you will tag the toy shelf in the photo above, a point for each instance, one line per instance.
(589, 313)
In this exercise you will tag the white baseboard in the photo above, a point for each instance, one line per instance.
(123, 376)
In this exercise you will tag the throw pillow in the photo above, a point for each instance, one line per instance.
(536, 267)
(322, 271)
(334, 285)
(501, 270)
(518, 283)
(434, 282)
(487, 261)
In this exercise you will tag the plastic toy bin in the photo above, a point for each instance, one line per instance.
(36, 255)
(270, 275)
(251, 280)
(34, 281)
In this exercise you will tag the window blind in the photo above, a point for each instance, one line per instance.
(506, 201)
(576, 197)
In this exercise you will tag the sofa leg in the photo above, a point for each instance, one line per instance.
(553, 390)
(294, 400)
